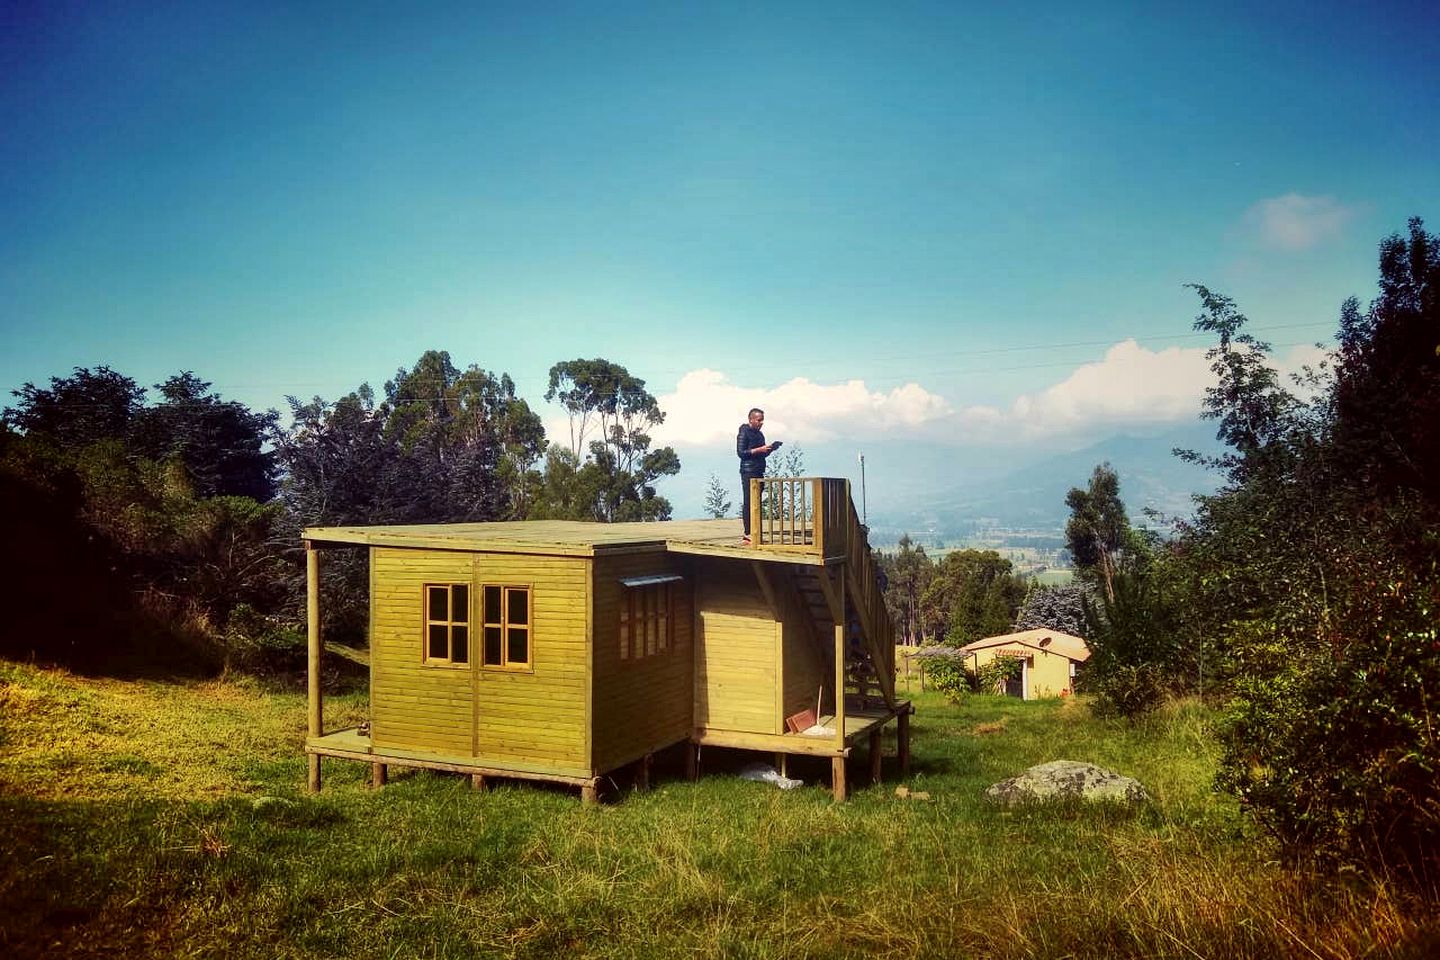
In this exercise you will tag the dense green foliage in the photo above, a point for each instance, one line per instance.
(1315, 572)
(1306, 590)
(165, 536)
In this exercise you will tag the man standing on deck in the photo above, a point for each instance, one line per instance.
(751, 448)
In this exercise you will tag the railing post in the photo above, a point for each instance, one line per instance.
(817, 497)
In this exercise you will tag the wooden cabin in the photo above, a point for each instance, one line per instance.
(563, 651)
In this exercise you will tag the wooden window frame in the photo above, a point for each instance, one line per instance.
(651, 606)
(505, 626)
(450, 623)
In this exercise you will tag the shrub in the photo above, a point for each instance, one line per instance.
(946, 672)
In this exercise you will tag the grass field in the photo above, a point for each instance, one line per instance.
(154, 819)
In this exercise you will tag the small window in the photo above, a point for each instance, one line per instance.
(506, 624)
(647, 618)
(447, 623)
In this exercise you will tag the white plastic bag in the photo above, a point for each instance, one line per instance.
(768, 774)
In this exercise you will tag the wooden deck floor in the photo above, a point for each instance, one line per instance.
(858, 724)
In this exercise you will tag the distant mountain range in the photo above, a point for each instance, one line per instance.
(1032, 495)
(948, 492)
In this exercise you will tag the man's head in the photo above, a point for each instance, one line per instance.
(757, 417)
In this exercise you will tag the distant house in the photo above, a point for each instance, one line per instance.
(561, 651)
(1049, 661)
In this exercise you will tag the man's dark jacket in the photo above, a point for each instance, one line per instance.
(751, 464)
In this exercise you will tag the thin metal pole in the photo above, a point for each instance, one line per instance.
(864, 516)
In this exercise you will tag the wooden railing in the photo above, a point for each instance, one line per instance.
(801, 514)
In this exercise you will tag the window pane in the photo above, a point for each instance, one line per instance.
(460, 603)
(439, 602)
(437, 641)
(460, 644)
(492, 605)
(519, 646)
(624, 638)
(519, 606)
(493, 653)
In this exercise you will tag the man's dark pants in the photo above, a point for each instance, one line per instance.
(745, 479)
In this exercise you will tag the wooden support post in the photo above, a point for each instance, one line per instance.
(782, 763)
(590, 794)
(377, 774)
(692, 762)
(902, 735)
(840, 656)
(477, 781)
(315, 725)
(837, 778)
(875, 755)
(642, 776)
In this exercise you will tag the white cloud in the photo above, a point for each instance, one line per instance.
(705, 409)
(1129, 385)
(1294, 222)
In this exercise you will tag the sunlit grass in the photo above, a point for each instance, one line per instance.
(179, 827)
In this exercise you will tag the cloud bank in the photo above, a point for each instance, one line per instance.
(1294, 222)
(1129, 387)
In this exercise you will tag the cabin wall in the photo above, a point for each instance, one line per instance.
(738, 661)
(641, 704)
(537, 719)
(1047, 674)
(804, 671)
(413, 705)
(531, 720)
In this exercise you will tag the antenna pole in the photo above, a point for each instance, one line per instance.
(864, 517)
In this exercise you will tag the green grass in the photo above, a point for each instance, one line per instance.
(148, 819)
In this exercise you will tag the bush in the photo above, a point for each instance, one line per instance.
(1340, 757)
(262, 645)
(992, 677)
(1130, 690)
(945, 671)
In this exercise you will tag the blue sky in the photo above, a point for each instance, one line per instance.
(927, 223)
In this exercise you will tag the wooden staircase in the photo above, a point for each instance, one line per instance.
(817, 516)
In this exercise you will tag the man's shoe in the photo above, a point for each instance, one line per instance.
(745, 540)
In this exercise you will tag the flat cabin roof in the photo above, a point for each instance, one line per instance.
(560, 537)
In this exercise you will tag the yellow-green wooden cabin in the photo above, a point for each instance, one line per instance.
(563, 650)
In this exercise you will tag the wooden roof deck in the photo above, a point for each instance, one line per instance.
(720, 538)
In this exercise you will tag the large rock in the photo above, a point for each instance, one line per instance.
(1065, 780)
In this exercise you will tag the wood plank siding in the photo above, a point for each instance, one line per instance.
(641, 703)
(736, 667)
(536, 716)
(413, 704)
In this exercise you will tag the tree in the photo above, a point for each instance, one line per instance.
(1323, 541)
(221, 443)
(464, 443)
(1054, 608)
(974, 594)
(615, 480)
(86, 407)
(1098, 530)
(717, 499)
(790, 463)
(908, 573)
